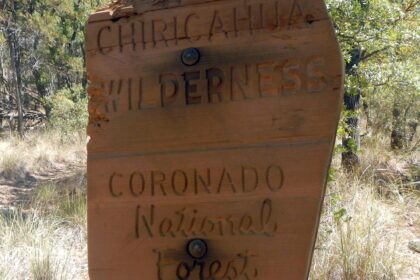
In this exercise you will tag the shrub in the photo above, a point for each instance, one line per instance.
(69, 112)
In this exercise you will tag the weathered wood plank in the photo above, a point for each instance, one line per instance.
(234, 150)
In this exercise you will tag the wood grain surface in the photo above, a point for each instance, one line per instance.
(234, 150)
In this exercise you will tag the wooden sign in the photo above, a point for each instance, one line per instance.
(212, 125)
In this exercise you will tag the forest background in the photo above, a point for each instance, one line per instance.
(370, 224)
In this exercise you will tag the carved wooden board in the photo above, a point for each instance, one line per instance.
(233, 150)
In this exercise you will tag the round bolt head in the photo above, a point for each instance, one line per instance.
(190, 56)
(197, 248)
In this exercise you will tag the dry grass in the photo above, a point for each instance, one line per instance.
(45, 238)
(39, 152)
(368, 217)
(358, 237)
(37, 245)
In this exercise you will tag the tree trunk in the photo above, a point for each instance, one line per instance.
(41, 88)
(351, 141)
(13, 45)
(85, 78)
(397, 134)
(413, 125)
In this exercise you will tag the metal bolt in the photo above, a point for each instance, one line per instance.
(197, 248)
(190, 56)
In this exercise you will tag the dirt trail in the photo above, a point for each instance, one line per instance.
(15, 192)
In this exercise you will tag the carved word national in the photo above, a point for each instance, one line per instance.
(190, 222)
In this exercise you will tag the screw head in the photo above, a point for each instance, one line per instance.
(197, 248)
(190, 56)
